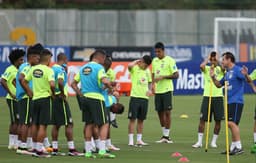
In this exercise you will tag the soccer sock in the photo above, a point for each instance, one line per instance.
(87, 146)
(163, 129)
(108, 142)
(34, 145)
(200, 137)
(232, 146)
(214, 138)
(11, 139)
(55, 144)
(71, 145)
(23, 145)
(139, 137)
(254, 137)
(93, 143)
(16, 141)
(112, 116)
(130, 138)
(46, 142)
(97, 143)
(166, 132)
(238, 144)
(29, 142)
(102, 145)
(39, 147)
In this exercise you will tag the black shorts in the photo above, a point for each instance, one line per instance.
(138, 108)
(94, 111)
(61, 114)
(79, 101)
(42, 111)
(217, 109)
(108, 113)
(235, 112)
(163, 101)
(25, 111)
(13, 109)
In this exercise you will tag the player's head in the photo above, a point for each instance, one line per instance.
(62, 58)
(159, 50)
(145, 62)
(213, 58)
(45, 57)
(33, 53)
(16, 57)
(107, 63)
(99, 56)
(228, 59)
(117, 108)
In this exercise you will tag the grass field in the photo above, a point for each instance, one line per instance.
(183, 132)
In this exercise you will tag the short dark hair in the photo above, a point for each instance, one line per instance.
(108, 62)
(229, 55)
(35, 49)
(97, 53)
(147, 59)
(213, 54)
(15, 55)
(159, 45)
(44, 54)
(61, 56)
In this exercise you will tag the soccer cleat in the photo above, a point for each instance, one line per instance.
(56, 152)
(41, 155)
(165, 139)
(74, 152)
(197, 145)
(114, 123)
(253, 148)
(12, 147)
(89, 155)
(104, 154)
(213, 145)
(141, 143)
(131, 144)
(224, 152)
(236, 151)
(113, 148)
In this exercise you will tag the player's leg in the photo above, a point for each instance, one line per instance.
(253, 148)
(234, 115)
(218, 111)
(167, 106)
(141, 117)
(113, 120)
(109, 145)
(132, 116)
(160, 112)
(13, 134)
(55, 135)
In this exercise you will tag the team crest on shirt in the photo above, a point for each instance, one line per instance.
(87, 70)
(142, 80)
(37, 73)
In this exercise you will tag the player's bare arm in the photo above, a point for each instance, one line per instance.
(24, 84)
(204, 63)
(132, 64)
(213, 76)
(75, 88)
(4, 84)
(52, 86)
(61, 87)
(175, 75)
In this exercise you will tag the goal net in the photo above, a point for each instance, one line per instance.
(237, 35)
(6, 28)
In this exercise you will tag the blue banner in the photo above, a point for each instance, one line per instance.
(190, 79)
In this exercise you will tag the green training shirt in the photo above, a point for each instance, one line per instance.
(111, 75)
(40, 75)
(9, 75)
(163, 67)
(253, 75)
(216, 92)
(140, 79)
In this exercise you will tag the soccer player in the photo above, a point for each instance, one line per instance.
(164, 70)
(235, 77)
(250, 80)
(211, 91)
(43, 87)
(92, 76)
(61, 111)
(9, 84)
(24, 102)
(138, 105)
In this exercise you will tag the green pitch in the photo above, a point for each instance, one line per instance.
(183, 133)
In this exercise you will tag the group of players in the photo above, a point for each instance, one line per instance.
(37, 98)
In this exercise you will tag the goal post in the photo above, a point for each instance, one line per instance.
(235, 34)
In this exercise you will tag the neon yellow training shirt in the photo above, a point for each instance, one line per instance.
(216, 92)
(163, 67)
(140, 79)
(40, 75)
(9, 75)
(253, 75)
